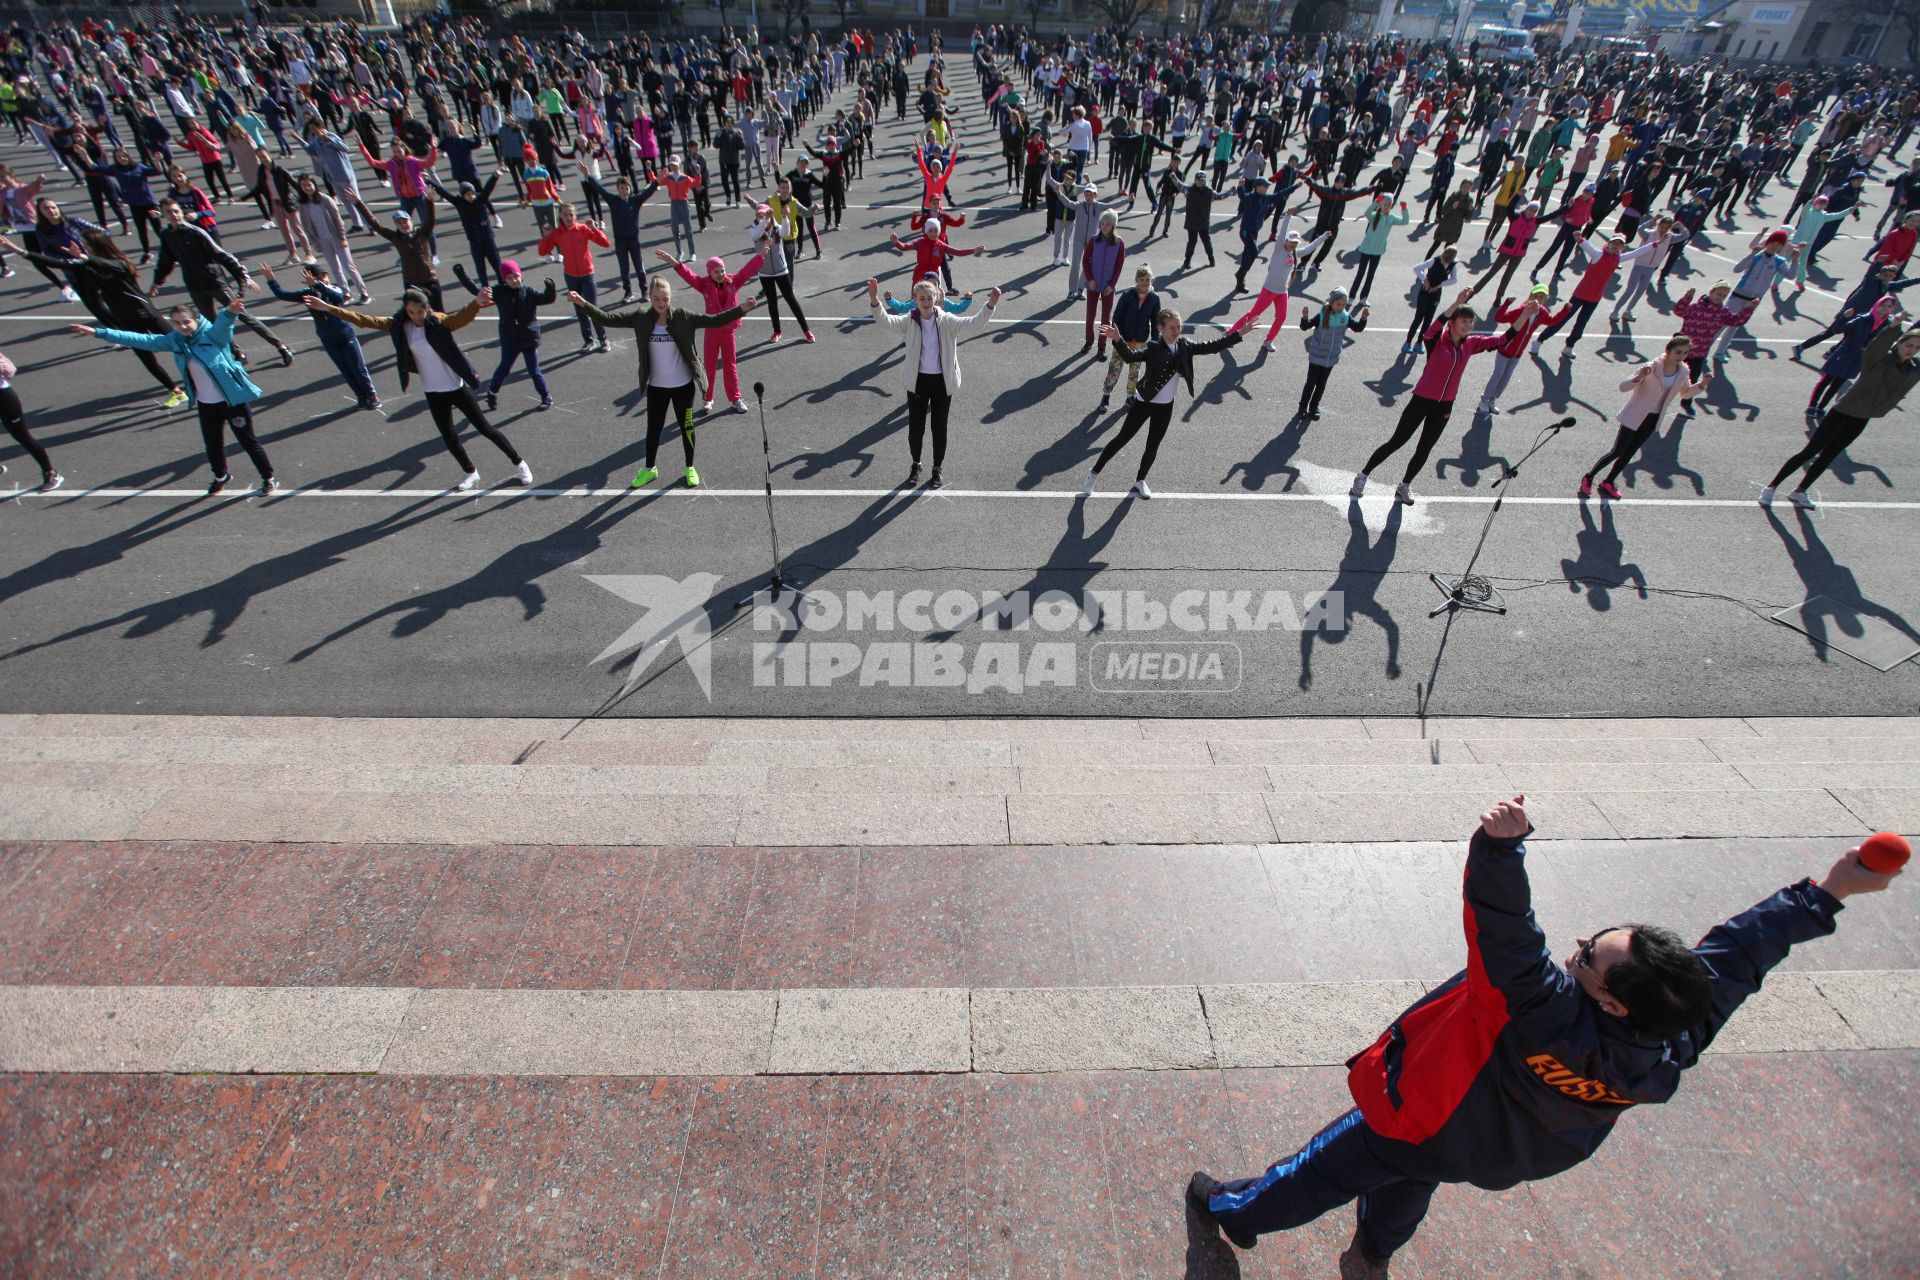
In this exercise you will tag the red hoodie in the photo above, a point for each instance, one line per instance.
(576, 246)
(1521, 330)
(1440, 380)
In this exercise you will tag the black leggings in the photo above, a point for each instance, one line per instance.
(15, 420)
(1424, 304)
(1315, 385)
(659, 399)
(1830, 439)
(441, 405)
(929, 392)
(214, 421)
(1825, 391)
(1430, 416)
(1627, 441)
(1202, 236)
(773, 288)
(1157, 417)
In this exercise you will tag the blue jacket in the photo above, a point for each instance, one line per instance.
(1135, 317)
(1510, 1071)
(331, 328)
(211, 344)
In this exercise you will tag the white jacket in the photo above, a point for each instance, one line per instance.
(908, 327)
(1650, 395)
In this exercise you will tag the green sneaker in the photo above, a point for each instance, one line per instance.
(693, 478)
(175, 399)
(645, 476)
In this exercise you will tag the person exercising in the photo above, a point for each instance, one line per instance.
(1517, 1068)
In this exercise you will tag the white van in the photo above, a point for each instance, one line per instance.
(1509, 44)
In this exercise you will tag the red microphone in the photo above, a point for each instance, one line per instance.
(1884, 852)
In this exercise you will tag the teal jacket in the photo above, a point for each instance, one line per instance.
(211, 344)
(1374, 243)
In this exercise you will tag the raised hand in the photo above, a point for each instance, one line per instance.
(84, 330)
(993, 297)
(1506, 820)
(485, 295)
(574, 297)
(236, 306)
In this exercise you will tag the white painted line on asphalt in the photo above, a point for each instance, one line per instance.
(1059, 495)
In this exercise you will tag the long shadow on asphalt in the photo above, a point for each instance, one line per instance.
(1600, 566)
(1070, 567)
(1364, 565)
(1476, 454)
(1825, 576)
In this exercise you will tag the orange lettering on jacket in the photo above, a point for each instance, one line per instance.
(1551, 1072)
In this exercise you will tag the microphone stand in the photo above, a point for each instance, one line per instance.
(1468, 591)
(777, 583)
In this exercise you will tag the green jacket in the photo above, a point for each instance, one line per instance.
(1884, 380)
(680, 326)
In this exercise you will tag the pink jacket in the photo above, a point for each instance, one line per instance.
(1702, 318)
(643, 138)
(1440, 380)
(1650, 395)
(722, 294)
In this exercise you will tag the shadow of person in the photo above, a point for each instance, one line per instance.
(1598, 564)
(71, 564)
(1273, 457)
(1844, 603)
(1556, 388)
(514, 574)
(1659, 461)
(225, 601)
(1230, 376)
(858, 449)
(1209, 1256)
(1476, 454)
(1396, 378)
(1364, 565)
(1070, 567)
(1067, 454)
(1031, 393)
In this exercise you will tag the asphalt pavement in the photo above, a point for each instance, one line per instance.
(1249, 584)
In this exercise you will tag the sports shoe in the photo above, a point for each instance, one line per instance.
(739, 406)
(1766, 496)
(1140, 487)
(371, 404)
(53, 480)
(1586, 487)
(586, 345)
(913, 474)
(1533, 348)
(1105, 400)
(644, 477)
(807, 334)
(1356, 1265)
(1406, 348)
(601, 346)
(68, 295)
(1359, 489)
(1086, 485)
(436, 259)
(706, 406)
(774, 336)
(693, 478)
(936, 481)
(175, 399)
(468, 482)
(219, 483)
(1419, 348)
(1201, 1188)
(493, 401)
(270, 486)
(1404, 494)
(1800, 499)
(522, 472)
(546, 403)
(1608, 491)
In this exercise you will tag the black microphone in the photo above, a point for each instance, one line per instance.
(1561, 425)
(760, 389)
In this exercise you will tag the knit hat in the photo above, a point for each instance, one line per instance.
(716, 262)
(467, 187)
(509, 267)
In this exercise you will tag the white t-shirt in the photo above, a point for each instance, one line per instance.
(1166, 392)
(1079, 135)
(666, 367)
(435, 374)
(929, 341)
(205, 389)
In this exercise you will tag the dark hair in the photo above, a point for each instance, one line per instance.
(1662, 982)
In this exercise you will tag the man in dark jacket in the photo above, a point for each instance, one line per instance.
(414, 245)
(198, 255)
(1889, 369)
(1517, 1068)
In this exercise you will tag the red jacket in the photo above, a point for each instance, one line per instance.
(576, 246)
(1593, 284)
(1521, 331)
(1447, 360)
(1897, 246)
(722, 294)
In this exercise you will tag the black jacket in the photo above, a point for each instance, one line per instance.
(197, 254)
(520, 315)
(1164, 362)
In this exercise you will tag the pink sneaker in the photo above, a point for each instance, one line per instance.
(1586, 486)
(1608, 492)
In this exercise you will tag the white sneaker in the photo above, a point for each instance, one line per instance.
(1359, 489)
(497, 222)
(706, 406)
(1404, 494)
(436, 259)
(523, 473)
(1086, 485)
(1533, 348)
(68, 295)
(739, 406)
(1140, 487)
(1800, 499)
(269, 226)
(1766, 496)
(471, 480)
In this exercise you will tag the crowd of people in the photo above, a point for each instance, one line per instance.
(1619, 164)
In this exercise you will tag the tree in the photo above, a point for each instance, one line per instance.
(1208, 14)
(1034, 9)
(1900, 17)
(1122, 13)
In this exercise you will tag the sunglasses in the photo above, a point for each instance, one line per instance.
(1583, 955)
